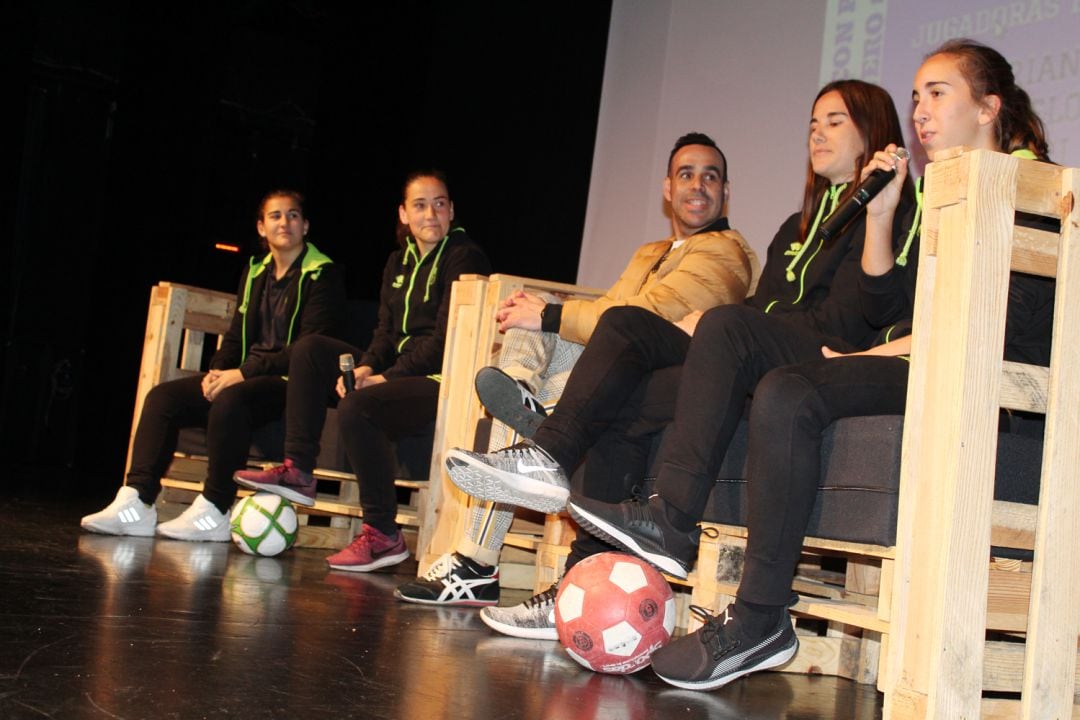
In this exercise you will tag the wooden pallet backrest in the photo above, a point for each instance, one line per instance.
(472, 339)
(957, 384)
(178, 319)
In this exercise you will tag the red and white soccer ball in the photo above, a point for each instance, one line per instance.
(612, 611)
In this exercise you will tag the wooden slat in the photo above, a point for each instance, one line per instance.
(1007, 601)
(948, 176)
(203, 322)
(838, 611)
(406, 515)
(817, 656)
(512, 283)
(1039, 188)
(994, 709)
(814, 543)
(1054, 623)
(946, 486)
(319, 473)
(518, 540)
(326, 538)
(862, 577)
(1035, 251)
(161, 345)
(888, 568)
(1014, 525)
(899, 700)
(847, 613)
(1038, 184)
(192, 350)
(1024, 387)
(201, 301)
(1003, 669)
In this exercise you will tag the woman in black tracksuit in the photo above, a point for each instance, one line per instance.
(396, 379)
(290, 293)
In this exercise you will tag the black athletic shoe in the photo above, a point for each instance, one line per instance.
(454, 579)
(721, 650)
(639, 527)
(509, 401)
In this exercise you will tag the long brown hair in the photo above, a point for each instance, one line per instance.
(987, 72)
(874, 115)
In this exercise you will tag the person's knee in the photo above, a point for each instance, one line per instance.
(724, 319)
(158, 397)
(357, 410)
(622, 317)
(783, 395)
(168, 397)
(310, 348)
(229, 402)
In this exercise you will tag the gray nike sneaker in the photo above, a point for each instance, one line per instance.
(521, 474)
(533, 619)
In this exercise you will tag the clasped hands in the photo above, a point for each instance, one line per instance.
(520, 310)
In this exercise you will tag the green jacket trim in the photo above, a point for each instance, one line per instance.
(312, 265)
(410, 249)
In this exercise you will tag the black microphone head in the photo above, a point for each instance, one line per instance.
(345, 362)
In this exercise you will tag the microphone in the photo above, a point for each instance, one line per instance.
(346, 365)
(867, 191)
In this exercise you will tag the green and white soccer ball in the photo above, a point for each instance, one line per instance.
(263, 524)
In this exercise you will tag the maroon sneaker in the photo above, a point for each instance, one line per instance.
(286, 480)
(370, 550)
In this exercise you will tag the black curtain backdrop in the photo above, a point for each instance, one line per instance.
(138, 135)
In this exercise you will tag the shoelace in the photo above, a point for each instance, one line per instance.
(639, 509)
(364, 538)
(516, 450)
(443, 568)
(639, 496)
(525, 451)
(544, 598)
(712, 633)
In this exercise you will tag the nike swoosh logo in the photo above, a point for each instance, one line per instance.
(523, 468)
(386, 551)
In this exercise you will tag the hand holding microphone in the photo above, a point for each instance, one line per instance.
(867, 190)
(346, 382)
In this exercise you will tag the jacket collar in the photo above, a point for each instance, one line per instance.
(719, 225)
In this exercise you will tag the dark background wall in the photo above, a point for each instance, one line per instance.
(139, 134)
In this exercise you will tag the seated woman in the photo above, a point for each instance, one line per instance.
(395, 390)
(293, 292)
(965, 94)
(808, 296)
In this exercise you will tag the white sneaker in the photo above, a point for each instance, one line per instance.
(521, 474)
(125, 515)
(201, 522)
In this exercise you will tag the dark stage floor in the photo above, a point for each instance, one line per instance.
(104, 627)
